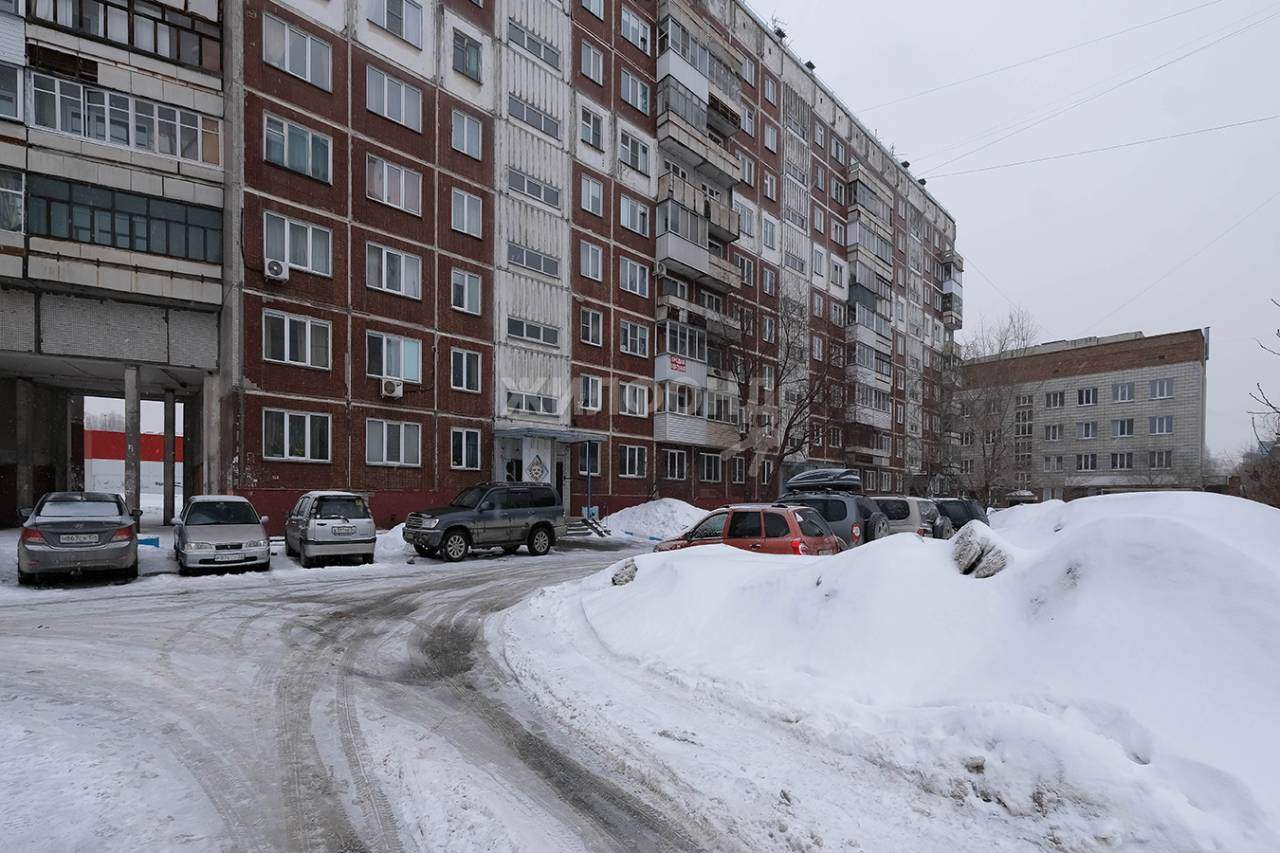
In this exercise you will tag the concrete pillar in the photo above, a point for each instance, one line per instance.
(75, 442)
(192, 418)
(24, 415)
(170, 410)
(132, 439)
(210, 436)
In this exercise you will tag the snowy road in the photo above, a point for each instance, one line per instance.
(336, 709)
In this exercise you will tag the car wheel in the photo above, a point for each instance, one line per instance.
(25, 579)
(539, 541)
(304, 559)
(130, 574)
(183, 571)
(366, 559)
(878, 529)
(288, 549)
(264, 566)
(510, 549)
(424, 551)
(454, 546)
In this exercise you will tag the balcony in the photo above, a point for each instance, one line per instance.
(678, 136)
(693, 429)
(722, 220)
(721, 117)
(866, 335)
(952, 304)
(717, 324)
(869, 417)
(867, 376)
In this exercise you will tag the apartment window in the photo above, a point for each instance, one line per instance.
(591, 62)
(392, 443)
(1160, 425)
(1122, 428)
(595, 7)
(392, 356)
(738, 469)
(635, 400)
(768, 329)
(837, 152)
(631, 461)
(301, 245)
(10, 96)
(820, 177)
(769, 233)
(590, 394)
(1087, 430)
(522, 256)
(527, 330)
(296, 148)
(393, 271)
(401, 18)
(771, 137)
(766, 472)
(468, 134)
(747, 121)
(1053, 463)
(1160, 459)
(534, 45)
(589, 459)
(746, 269)
(1055, 399)
(768, 280)
(633, 277)
(295, 436)
(591, 260)
(295, 339)
(393, 99)
(711, 467)
(634, 339)
(634, 216)
(464, 370)
(464, 452)
(1161, 389)
(468, 213)
(748, 166)
(393, 185)
(529, 114)
(145, 27)
(770, 186)
(532, 187)
(11, 200)
(592, 195)
(819, 135)
(771, 90)
(966, 466)
(634, 92)
(818, 348)
(536, 404)
(72, 108)
(592, 130)
(677, 464)
(1087, 397)
(591, 327)
(466, 55)
(819, 219)
(295, 51)
(1122, 392)
(1086, 462)
(633, 152)
(634, 29)
(819, 263)
(1121, 461)
(465, 291)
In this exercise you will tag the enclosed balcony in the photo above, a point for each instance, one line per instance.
(682, 131)
(682, 249)
(716, 323)
(722, 220)
(952, 304)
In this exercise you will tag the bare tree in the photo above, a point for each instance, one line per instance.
(1259, 469)
(988, 403)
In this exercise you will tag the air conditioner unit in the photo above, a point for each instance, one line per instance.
(393, 388)
(660, 269)
(277, 270)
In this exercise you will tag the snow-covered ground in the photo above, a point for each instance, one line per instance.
(658, 519)
(1115, 688)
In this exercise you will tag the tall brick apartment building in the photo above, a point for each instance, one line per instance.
(466, 240)
(1088, 416)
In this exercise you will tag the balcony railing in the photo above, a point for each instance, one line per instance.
(722, 221)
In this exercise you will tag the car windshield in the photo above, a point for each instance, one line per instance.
(469, 498)
(342, 507)
(220, 512)
(72, 508)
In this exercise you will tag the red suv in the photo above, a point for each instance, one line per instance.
(764, 528)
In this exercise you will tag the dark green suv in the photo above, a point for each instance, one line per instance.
(490, 515)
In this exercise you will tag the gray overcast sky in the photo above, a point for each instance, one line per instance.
(1074, 239)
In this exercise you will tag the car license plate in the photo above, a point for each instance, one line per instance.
(825, 552)
(78, 538)
(227, 558)
(343, 531)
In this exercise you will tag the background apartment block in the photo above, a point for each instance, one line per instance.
(1090, 416)
(464, 240)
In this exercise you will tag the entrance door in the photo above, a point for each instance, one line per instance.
(515, 470)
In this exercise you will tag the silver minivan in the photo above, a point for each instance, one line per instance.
(914, 515)
(329, 524)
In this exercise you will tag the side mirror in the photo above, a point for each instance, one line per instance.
(486, 506)
(176, 521)
(24, 514)
(136, 513)
(263, 519)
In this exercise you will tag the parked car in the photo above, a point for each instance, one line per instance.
(961, 511)
(329, 524)
(914, 515)
(220, 532)
(505, 515)
(836, 494)
(74, 533)
(779, 528)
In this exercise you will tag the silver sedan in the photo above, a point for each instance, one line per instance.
(220, 532)
(74, 533)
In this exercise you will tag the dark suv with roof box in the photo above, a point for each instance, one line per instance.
(490, 515)
(836, 493)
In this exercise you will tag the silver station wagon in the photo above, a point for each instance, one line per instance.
(329, 524)
(220, 532)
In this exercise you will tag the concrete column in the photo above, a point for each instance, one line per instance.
(211, 435)
(132, 439)
(192, 418)
(170, 411)
(75, 442)
(24, 415)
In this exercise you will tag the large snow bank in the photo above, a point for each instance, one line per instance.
(660, 519)
(390, 546)
(1115, 687)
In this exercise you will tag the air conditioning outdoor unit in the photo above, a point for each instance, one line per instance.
(277, 270)
(393, 388)
(660, 269)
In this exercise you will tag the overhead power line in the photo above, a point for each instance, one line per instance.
(1039, 58)
(1111, 89)
(1116, 147)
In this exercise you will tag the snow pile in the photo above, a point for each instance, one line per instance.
(391, 547)
(660, 519)
(1114, 687)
